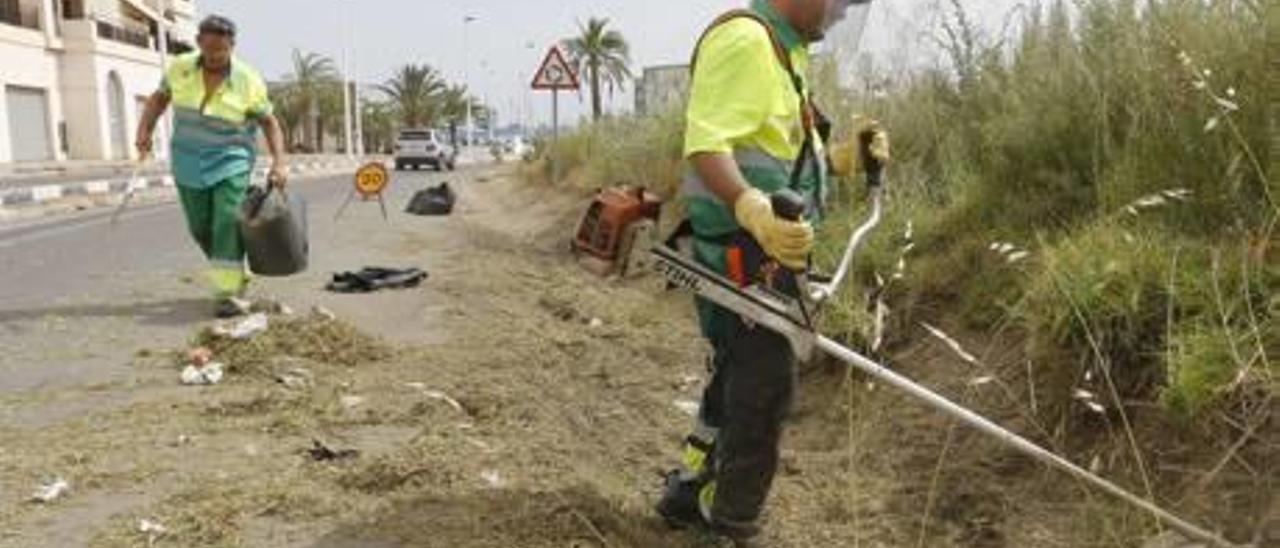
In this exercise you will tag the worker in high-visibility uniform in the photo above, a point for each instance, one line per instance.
(219, 102)
(751, 131)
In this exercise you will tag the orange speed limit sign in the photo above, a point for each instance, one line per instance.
(372, 179)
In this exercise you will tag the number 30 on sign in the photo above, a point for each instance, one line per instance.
(372, 179)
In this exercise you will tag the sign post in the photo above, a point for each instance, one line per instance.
(371, 179)
(555, 135)
(554, 75)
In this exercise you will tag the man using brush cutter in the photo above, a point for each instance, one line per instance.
(756, 185)
(219, 103)
(754, 143)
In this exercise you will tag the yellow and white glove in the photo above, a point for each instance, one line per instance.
(846, 156)
(788, 242)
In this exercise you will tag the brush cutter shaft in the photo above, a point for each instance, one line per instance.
(951, 409)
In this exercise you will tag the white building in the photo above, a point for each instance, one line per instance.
(74, 73)
(662, 88)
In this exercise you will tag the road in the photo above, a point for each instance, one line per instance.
(78, 296)
(515, 383)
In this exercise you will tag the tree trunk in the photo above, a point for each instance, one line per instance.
(309, 123)
(596, 108)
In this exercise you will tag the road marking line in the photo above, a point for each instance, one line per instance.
(44, 193)
(97, 187)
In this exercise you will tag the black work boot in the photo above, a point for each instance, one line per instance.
(738, 536)
(679, 503)
(230, 307)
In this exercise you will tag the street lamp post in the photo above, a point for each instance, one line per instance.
(346, 78)
(466, 74)
(355, 100)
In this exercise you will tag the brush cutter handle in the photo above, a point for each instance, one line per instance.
(874, 167)
(787, 204)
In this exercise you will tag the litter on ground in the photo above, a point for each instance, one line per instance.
(250, 326)
(200, 356)
(51, 491)
(441, 396)
(151, 527)
(687, 407)
(296, 379)
(493, 479)
(200, 376)
(324, 313)
(322, 453)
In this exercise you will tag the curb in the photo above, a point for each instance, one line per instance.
(40, 194)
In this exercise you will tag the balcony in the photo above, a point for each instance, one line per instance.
(134, 36)
(20, 14)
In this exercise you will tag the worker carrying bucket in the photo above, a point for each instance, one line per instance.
(758, 175)
(219, 102)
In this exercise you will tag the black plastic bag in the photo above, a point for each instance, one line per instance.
(374, 278)
(273, 224)
(437, 200)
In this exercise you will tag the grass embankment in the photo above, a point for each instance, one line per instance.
(1096, 197)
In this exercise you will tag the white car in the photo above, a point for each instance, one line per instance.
(516, 146)
(424, 147)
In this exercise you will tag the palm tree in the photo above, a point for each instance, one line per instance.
(453, 108)
(416, 91)
(312, 73)
(332, 114)
(289, 110)
(603, 56)
(379, 125)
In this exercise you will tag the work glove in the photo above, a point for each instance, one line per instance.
(788, 242)
(846, 156)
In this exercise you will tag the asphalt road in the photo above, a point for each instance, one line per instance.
(78, 296)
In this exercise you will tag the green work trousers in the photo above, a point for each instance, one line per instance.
(213, 218)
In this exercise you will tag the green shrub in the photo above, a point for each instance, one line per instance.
(1202, 362)
(636, 151)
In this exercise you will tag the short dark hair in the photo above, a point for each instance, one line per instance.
(217, 24)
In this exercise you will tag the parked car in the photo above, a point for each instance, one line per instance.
(424, 147)
(516, 146)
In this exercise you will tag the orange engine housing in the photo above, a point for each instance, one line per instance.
(610, 213)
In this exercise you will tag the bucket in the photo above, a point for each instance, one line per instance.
(273, 225)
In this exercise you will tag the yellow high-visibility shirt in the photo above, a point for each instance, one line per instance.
(215, 141)
(742, 96)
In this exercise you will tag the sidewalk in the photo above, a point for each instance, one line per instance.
(104, 180)
(105, 183)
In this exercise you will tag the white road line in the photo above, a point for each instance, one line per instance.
(98, 187)
(44, 193)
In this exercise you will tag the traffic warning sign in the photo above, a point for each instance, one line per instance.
(555, 73)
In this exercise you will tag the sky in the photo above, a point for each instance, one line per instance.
(508, 38)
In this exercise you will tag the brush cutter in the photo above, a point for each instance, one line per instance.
(768, 301)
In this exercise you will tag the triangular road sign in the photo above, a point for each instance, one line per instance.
(556, 73)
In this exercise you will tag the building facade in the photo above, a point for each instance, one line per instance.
(662, 88)
(74, 74)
